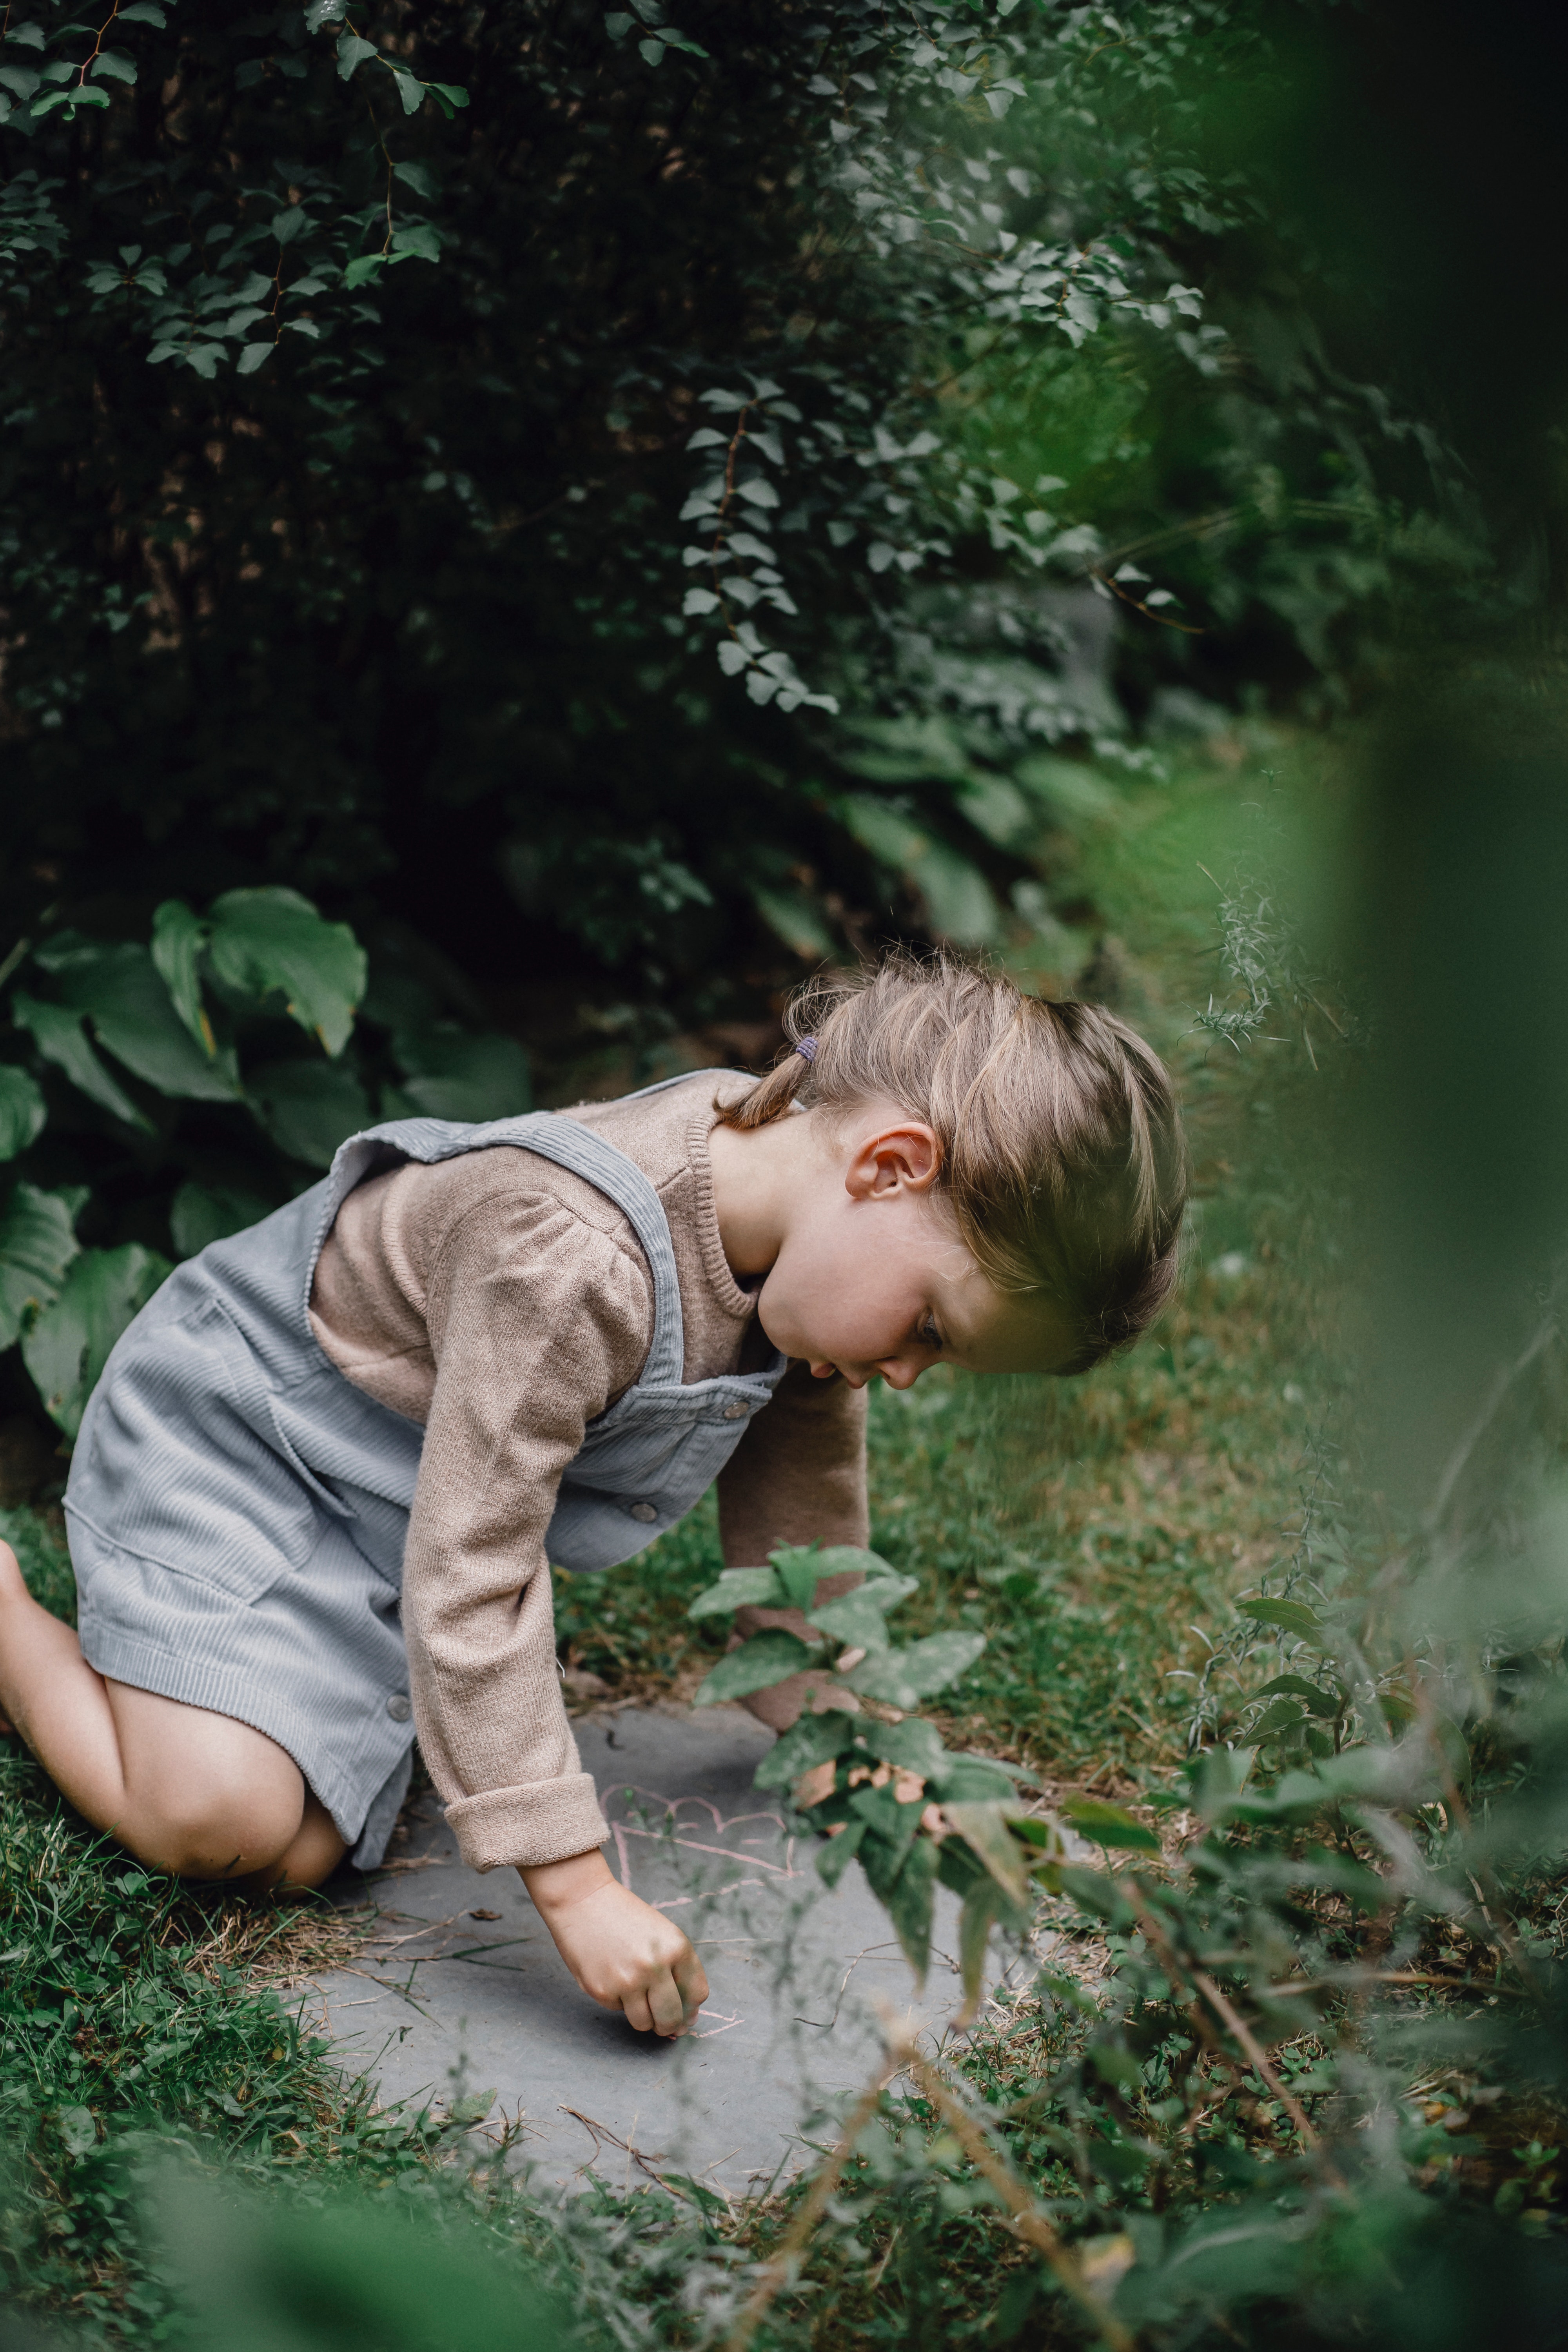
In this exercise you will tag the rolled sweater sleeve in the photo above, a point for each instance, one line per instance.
(538, 1320)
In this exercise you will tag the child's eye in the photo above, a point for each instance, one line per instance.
(927, 1334)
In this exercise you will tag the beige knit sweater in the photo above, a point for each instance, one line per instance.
(503, 1302)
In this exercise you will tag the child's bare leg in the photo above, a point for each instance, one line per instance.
(185, 1790)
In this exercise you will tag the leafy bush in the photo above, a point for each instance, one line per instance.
(213, 1013)
(457, 460)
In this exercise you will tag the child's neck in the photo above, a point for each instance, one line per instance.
(760, 1175)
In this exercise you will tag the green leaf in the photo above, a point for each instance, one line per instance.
(419, 238)
(1290, 1616)
(353, 53)
(453, 92)
(253, 356)
(767, 1658)
(914, 1744)
(178, 939)
(365, 268)
(739, 1587)
(143, 12)
(908, 1904)
(856, 1618)
(706, 2200)
(835, 1858)
(799, 1568)
(68, 1343)
(419, 178)
(984, 1830)
(1325, 1703)
(893, 1826)
(1108, 1825)
(134, 1017)
(984, 1905)
(451, 1074)
(59, 1038)
(201, 1213)
(271, 939)
(903, 1677)
(410, 91)
(22, 1111)
(115, 64)
(38, 1243)
(26, 36)
(813, 1740)
(309, 1107)
(854, 1560)
(974, 1781)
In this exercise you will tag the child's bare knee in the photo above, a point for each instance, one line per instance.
(212, 1832)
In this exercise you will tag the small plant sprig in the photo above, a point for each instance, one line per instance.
(883, 1786)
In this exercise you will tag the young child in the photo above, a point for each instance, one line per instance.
(317, 1487)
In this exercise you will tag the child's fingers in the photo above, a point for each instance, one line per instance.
(691, 1981)
(656, 2005)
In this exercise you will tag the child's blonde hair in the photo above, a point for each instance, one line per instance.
(1062, 1156)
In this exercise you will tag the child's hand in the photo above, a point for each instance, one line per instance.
(624, 1953)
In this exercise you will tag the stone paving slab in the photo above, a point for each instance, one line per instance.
(461, 1990)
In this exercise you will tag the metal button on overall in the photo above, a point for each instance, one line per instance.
(643, 1511)
(399, 1708)
(734, 1413)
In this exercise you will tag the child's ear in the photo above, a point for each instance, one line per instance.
(902, 1159)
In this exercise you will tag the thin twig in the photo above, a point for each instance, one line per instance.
(1030, 2223)
(776, 2270)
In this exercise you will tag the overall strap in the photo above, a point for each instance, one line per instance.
(587, 1154)
(582, 1150)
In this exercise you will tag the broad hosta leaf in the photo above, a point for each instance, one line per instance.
(201, 1213)
(739, 1587)
(903, 1677)
(309, 1107)
(767, 1658)
(451, 1075)
(178, 939)
(38, 1241)
(120, 991)
(272, 939)
(21, 1112)
(68, 1344)
(60, 1038)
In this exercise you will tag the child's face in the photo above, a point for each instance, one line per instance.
(871, 1277)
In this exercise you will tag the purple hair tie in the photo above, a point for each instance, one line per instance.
(807, 1049)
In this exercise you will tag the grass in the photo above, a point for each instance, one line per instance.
(1086, 1528)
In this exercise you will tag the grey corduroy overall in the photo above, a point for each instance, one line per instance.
(237, 1508)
